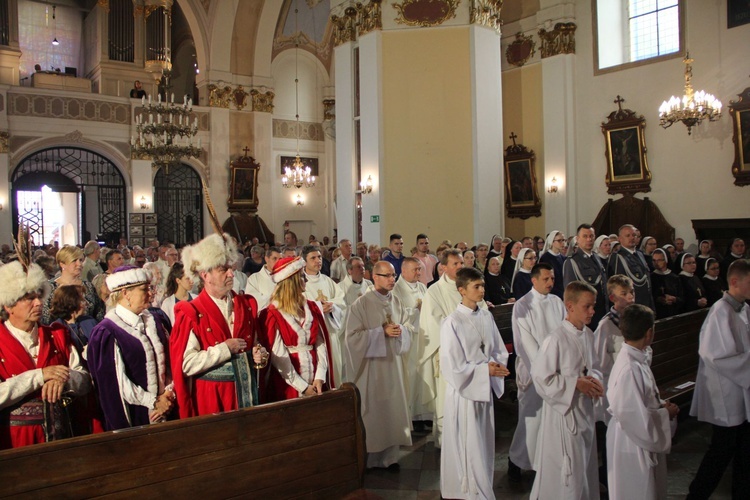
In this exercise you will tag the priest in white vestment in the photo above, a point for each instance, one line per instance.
(639, 435)
(377, 335)
(353, 287)
(260, 284)
(441, 299)
(535, 315)
(411, 291)
(473, 363)
(565, 459)
(322, 289)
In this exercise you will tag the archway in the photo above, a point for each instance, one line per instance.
(87, 191)
(178, 203)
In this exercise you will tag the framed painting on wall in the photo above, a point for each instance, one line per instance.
(740, 111)
(521, 193)
(243, 184)
(625, 151)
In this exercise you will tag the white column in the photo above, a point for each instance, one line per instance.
(371, 108)
(487, 122)
(346, 216)
(559, 143)
(262, 151)
(219, 165)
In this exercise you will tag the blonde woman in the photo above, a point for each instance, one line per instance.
(70, 259)
(296, 334)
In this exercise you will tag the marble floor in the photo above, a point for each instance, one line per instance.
(419, 475)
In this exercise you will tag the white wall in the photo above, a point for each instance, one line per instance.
(691, 174)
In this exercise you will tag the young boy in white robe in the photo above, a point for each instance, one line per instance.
(607, 344)
(472, 361)
(640, 432)
(564, 376)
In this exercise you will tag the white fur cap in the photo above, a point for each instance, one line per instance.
(16, 282)
(127, 278)
(212, 251)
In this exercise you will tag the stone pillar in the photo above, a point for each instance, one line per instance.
(10, 55)
(346, 216)
(6, 214)
(557, 33)
(141, 184)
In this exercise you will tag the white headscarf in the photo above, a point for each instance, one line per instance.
(548, 242)
(643, 243)
(519, 263)
(598, 243)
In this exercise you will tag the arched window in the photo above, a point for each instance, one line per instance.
(178, 204)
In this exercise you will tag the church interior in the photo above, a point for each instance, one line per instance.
(461, 119)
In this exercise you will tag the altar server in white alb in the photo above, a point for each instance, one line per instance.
(377, 335)
(535, 315)
(473, 362)
(565, 462)
(722, 388)
(640, 432)
(441, 299)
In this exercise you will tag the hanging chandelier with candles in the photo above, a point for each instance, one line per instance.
(165, 131)
(693, 108)
(298, 174)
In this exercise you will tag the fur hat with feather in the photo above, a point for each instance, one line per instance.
(212, 251)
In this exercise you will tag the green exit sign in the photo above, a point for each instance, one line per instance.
(374, 218)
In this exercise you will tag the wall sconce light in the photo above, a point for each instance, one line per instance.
(144, 203)
(365, 187)
(552, 188)
(298, 199)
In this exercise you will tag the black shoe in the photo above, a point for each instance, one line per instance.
(514, 472)
(418, 426)
(393, 467)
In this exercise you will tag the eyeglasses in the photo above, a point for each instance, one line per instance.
(559, 240)
(386, 275)
(531, 257)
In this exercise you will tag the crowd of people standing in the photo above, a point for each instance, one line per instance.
(140, 336)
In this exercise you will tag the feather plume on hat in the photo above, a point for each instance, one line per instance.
(22, 276)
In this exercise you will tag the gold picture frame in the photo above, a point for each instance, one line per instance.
(625, 151)
(740, 111)
(521, 191)
(243, 186)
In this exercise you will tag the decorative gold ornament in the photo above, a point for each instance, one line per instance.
(369, 17)
(425, 13)
(344, 28)
(262, 102)
(4, 139)
(521, 50)
(219, 95)
(329, 109)
(104, 4)
(560, 40)
(487, 13)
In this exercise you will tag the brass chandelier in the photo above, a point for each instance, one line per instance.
(164, 130)
(693, 108)
(299, 174)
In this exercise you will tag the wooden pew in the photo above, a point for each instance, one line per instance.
(502, 315)
(675, 353)
(309, 448)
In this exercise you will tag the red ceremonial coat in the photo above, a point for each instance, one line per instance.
(203, 317)
(54, 349)
(274, 323)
